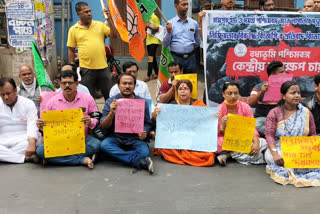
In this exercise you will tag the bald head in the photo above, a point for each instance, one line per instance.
(308, 6)
(26, 74)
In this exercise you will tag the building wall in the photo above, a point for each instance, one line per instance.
(166, 5)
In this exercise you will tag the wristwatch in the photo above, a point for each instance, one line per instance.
(274, 150)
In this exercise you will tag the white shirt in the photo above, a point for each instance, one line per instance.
(140, 90)
(20, 121)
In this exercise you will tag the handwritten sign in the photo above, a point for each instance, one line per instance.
(301, 152)
(193, 79)
(187, 127)
(275, 81)
(239, 133)
(129, 116)
(45, 97)
(63, 133)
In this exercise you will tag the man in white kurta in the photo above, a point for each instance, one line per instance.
(18, 130)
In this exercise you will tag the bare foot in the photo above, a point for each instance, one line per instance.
(88, 162)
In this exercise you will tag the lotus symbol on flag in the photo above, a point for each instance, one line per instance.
(132, 22)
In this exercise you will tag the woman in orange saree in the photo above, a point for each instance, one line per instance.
(182, 156)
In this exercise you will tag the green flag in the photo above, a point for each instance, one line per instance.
(42, 76)
(146, 7)
(165, 60)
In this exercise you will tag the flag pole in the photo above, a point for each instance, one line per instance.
(103, 8)
(164, 18)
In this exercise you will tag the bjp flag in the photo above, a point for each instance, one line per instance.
(117, 20)
(136, 28)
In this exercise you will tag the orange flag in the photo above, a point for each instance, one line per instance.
(136, 28)
(117, 20)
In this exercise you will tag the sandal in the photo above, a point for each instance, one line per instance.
(154, 77)
(146, 79)
(222, 160)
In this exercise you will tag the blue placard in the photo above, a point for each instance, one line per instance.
(187, 127)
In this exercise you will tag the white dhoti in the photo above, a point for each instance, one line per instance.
(13, 147)
(17, 125)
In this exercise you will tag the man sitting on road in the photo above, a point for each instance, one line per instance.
(168, 89)
(131, 149)
(18, 131)
(29, 87)
(70, 98)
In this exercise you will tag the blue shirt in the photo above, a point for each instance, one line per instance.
(124, 136)
(184, 36)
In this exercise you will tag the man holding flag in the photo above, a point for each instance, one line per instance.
(89, 36)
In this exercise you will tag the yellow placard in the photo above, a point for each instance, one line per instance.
(63, 133)
(239, 133)
(301, 152)
(193, 79)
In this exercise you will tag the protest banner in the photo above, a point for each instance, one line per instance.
(193, 79)
(129, 116)
(187, 127)
(239, 133)
(238, 45)
(301, 152)
(275, 81)
(63, 133)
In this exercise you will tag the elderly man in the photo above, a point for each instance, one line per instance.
(130, 149)
(29, 87)
(266, 5)
(168, 89)
(89, 37)
(182, 36)
(141, 89)
(18, 131)
(70, 98)
(308, 6)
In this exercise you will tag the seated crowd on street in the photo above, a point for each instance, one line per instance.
(23, 107)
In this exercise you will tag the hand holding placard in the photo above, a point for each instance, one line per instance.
(239, 133)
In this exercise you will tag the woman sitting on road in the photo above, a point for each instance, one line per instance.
(232, 105)
(194, 158)
(289, 119)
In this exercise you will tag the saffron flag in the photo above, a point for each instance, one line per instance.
(146, 7)
(136, 28)
(42, 76)
(117, 20)
(165, 60)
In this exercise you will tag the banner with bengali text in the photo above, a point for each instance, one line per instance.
(238, 45)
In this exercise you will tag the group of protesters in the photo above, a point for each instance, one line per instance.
(21, 124)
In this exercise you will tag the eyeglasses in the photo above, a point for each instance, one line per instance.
(67, 83)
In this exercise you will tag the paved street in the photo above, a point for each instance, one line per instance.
(113, 188)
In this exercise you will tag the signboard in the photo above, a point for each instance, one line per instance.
(187, 127)
(239, 45)
(63, 134)
(239, 133)
(129, 116)
(301, 152)
(20, 22)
